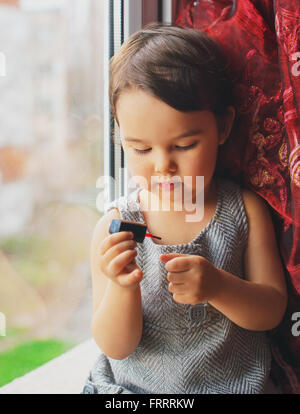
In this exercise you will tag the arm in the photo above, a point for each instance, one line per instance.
(117, 310)
(259, 302)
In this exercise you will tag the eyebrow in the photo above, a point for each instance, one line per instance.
(190, 133)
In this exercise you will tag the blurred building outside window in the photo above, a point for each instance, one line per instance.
(51, 154)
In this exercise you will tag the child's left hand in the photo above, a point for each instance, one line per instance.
(193, 279)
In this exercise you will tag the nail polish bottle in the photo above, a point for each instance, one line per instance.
(139, 230)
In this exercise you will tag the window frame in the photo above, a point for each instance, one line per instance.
(122, 18)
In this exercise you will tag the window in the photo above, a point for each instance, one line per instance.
(54, 144)
(51, 153)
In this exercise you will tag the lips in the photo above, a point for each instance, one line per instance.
(166, 186)
(168, 182)
(169, 185)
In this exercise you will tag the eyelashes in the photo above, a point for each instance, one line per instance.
(178, 148)
(142, 151)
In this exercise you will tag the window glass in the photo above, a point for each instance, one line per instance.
(51, 154)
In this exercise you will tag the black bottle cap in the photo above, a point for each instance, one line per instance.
(138, 229)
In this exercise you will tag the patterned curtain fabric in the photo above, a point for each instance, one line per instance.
(261, 39)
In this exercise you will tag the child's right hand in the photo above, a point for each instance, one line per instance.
(117, 260)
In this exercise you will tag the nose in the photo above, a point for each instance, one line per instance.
(164, 163)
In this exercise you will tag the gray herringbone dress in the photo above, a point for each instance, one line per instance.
(179, 351)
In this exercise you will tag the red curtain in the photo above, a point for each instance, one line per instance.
(261, 39)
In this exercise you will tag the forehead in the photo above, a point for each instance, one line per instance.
(141, 114)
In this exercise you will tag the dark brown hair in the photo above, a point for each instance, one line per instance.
(181, 66)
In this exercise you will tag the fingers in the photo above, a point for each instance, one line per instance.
(179, 264)
(169, 256)
(118, 259)
(116, 245)
(130, 267)
(118, 249)
(177, 282)
(178, 278)
(116, 265)
(131, 279)
(178, 289)
(113, 239)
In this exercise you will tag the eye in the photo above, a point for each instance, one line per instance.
(187, 147)
(142, 151)
(178, 147)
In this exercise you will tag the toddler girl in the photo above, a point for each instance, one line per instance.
(186, 314)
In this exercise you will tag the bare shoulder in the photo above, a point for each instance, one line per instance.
(255, 205)
(102, 226)
(260, 225)
(101, 230)
(262, 259)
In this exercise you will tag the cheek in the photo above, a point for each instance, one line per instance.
(204, 158)
(138, 167)
(132, 159)
(202, 163)
(195, 165)
(137, 164)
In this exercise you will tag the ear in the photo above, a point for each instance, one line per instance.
(227, 123)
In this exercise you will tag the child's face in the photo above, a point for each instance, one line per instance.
(148, 124)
